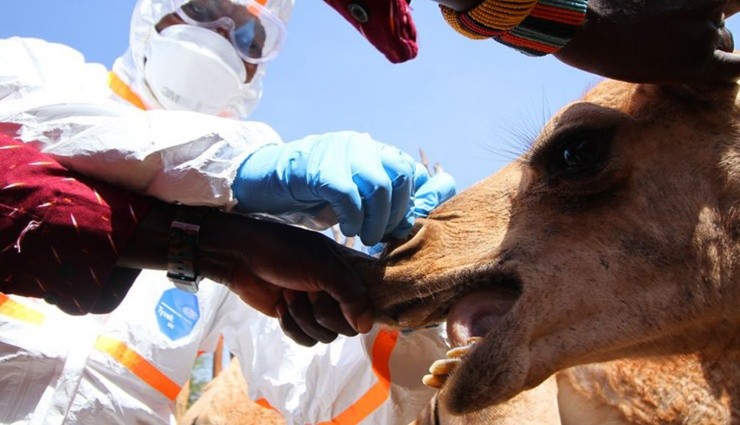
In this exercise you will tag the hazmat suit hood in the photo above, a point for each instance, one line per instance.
(130, 66)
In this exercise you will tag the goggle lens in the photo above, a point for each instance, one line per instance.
(249, 39)
(255, 32)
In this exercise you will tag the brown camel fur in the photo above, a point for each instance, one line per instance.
(224, 401)
(679, 389)
(682, 389)
(614, 236)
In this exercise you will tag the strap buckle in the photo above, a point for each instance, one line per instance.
(182, 252)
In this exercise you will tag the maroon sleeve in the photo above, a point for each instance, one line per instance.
(61, 234)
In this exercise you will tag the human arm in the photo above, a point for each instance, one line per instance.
(342, 177)
(634, 40)
(348, 178)
(656, 41)
(193, 158)
(259, 261)
(60, 234)
(79, 244)
(652, 41)
(327, 296)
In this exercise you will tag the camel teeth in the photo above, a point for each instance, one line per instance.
(458, 352)
(444, 366)
(440, 369)
(433, 381)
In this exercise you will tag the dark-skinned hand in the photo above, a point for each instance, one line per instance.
(651, 41)
(296, 275)
(656, 41)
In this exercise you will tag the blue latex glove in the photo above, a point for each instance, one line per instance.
(432, 192)
(368, 185)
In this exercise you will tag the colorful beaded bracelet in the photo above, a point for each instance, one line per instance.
(533, 27)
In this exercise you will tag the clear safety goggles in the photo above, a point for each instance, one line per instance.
(254, 31)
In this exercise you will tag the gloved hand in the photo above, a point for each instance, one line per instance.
(432, 192)
(368, 185)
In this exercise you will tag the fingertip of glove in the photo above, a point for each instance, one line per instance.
(349, 230)
(369, 241)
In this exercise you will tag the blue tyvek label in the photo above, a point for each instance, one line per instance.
(177, 313)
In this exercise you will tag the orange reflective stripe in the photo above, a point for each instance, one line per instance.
(378, 393)
(264, 403)
(16, 310)
(124, 91)
(138, 365)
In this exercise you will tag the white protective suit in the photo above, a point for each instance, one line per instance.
(127, 367)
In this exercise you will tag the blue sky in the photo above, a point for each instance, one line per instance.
(468, 104)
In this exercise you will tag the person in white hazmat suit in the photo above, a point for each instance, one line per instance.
(152, 127)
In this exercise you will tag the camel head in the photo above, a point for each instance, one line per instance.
(614, 235)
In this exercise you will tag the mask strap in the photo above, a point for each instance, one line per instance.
(124, 91)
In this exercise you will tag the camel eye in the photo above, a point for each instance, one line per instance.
(580, 154)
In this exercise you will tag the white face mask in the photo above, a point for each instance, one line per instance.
(192, 68)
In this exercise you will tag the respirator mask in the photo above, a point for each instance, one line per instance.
(192, 68)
